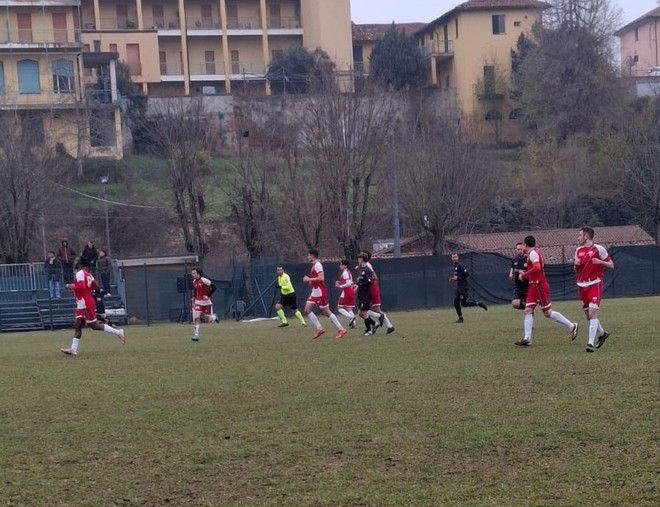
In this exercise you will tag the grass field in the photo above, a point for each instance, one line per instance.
(435, 414)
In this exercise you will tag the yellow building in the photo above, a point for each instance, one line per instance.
(40, 75)
(468, 49)
(191, 47)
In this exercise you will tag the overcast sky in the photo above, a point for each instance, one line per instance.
(405, 11)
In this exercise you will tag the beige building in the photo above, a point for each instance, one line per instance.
(468, 49)
(41, 72)
(191, 47)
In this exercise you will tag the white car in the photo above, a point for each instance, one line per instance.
(653, 71)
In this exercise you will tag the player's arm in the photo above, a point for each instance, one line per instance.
(462, 273)
(511, 273)
(210, 285)
(365, 278)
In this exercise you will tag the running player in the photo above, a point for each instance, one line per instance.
(319, 297)
(201, 301)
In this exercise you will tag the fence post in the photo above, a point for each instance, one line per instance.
(146, 293)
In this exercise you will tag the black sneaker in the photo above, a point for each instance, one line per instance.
(459, 321)
(381, 320)
(523, 343)
(352, 324)
(390, 330)
(601, 339)
(375, 327)
(483, 305)
(574, 332)
(590, 347)
(283, 324)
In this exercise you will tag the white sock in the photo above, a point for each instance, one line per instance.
(388, 324)
(196, 329)
(74, 345)
(373, 315)
(593, 331)
(558, 317)
(346, 313)
(314, 320)
(528, 322)
(333, 318)
(111, 330)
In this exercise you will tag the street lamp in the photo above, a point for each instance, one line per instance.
(104, 181)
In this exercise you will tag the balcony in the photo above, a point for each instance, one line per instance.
(118, 24)
(207, 71)
(438, 49)
(248, 69)
(39, 3)
(203, 24)
(38, 39)
(240, 24)
(14, 100)
(283, 23)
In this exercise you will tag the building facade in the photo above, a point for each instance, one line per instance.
(468, 49)
(41, 76)
(193, 47)
(640, 48)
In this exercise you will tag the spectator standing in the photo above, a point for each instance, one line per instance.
(53, 269)
(104, 268)
(90, 254)
(66, 256)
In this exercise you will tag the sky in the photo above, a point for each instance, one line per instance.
(406, 11)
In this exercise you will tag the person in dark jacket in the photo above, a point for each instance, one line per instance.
(53, 270)
(461, 295)
(66, 256)
(104, 268)
(90, 254)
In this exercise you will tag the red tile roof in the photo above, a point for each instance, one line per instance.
(375, 32)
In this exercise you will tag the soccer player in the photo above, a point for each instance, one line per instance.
(520, 287)
(82, 286)
(538, 294)
(376, 310)
(461, 294)
(201, 301)
(590, 259)
(287, 298)
(364, 281)
(346, 301)
(319, 297)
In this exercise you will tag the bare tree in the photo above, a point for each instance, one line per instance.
(598, 17)
(447, 185)
(29, 165)
(344, 136)
(185, 135)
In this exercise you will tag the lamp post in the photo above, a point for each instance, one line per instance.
(104, 181)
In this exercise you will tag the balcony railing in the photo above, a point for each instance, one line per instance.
(248, 67)
(243, 23)
(45, 99)
(171, 69)
(203, 24)
(207, 68)
(118, 24)
(287, 23)
(65, 37)
(437, 48)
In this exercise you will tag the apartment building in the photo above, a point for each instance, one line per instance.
(191, 47)
(41, 72)
(640, 47)
(468, 50)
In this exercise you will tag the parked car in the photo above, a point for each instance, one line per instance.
(653, 71)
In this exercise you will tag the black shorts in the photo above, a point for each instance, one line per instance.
(520, 292)
(461, 293)
(289, 301)
(364, 304)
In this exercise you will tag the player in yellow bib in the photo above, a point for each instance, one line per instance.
(287, 298)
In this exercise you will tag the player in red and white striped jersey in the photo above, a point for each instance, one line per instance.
(346, 301)
(201, 301)
(319, 297)
(590, 259)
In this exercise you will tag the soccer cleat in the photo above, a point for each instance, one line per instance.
(459, 321)
(340, 333)
(483, 305)
(601, 339)
(352, 324)
(68, 352)
(195, 338)
(574, 331)
(523, 343)
(390, 330)
(318, 333)
(214, 318)
(303, 324)
(381, 320)
(375, 327)
(368, 333)
(122, 337)
(590, 347)
(283, 324)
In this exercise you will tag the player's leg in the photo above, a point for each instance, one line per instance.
(458, 304)
(196, 314)
(309, 313)
(279, 310)
(325, 309)
(77, 335)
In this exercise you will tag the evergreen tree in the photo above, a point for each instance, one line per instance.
(396, 62)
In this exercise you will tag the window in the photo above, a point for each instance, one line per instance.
(133, 59)
(498, 24)
(87, 71)
(162, 58)
(2, 78)
(60, 31)
(235, 62)
(232, 16)
(517, 24)
(456, 26)
(209, 61)
(636, 34)
(63, 76)
(112, 48)
(24, 23)
(207, 17)
(158, 15)
(489, 80)
(28, 77)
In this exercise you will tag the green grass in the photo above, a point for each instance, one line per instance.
(435, 414)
